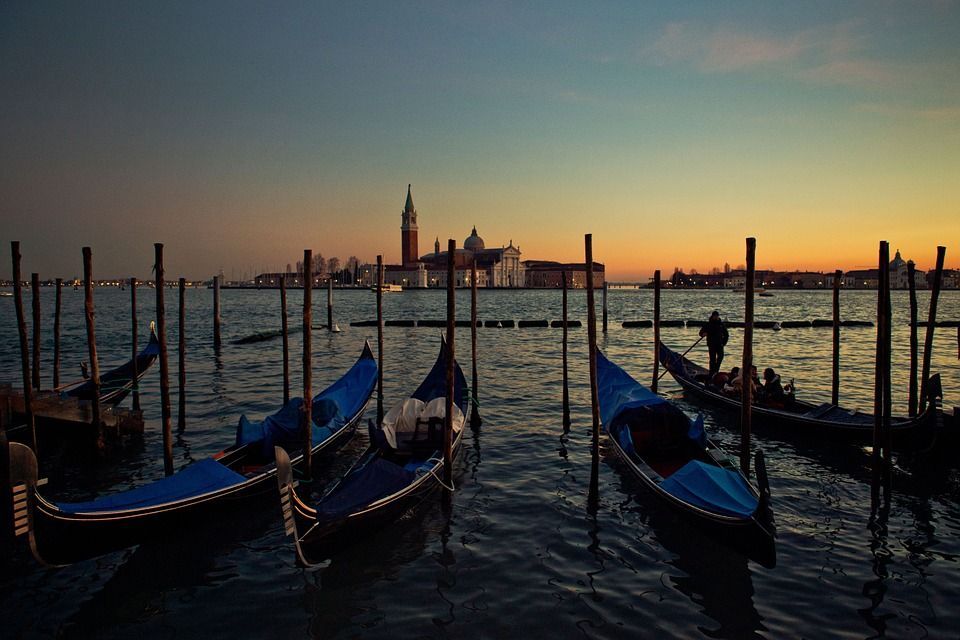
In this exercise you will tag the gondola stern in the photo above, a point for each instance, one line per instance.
(288, 501)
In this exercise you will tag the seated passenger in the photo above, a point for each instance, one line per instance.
(772, 391)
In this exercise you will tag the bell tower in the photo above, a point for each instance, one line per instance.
(409, 250)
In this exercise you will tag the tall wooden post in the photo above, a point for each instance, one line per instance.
(604, 305)
(656, 330)
(912, 383)
(133, 343)
(592, 346)
(835, 388)
(330, 303)
(566, 376)
(451, 351)
(887, 391)
(474, 408)
(92, 345)
(56, 333)
(379, 340)
(286, 339)
(164, 363)
(24, 349)
(931, 321)
(35, 290)
(182, 362)
(746, 367)
(307, 425)
(216, 313)
(883, 271)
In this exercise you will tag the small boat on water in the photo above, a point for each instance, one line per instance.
(388, 288)
(117, 383)
(673, 457)
(799, 418)
(402, 465)
(63, 532)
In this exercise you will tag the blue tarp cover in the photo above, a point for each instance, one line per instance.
(201, 477)
(618, 393)
(377, 479)
(330, 411)
(711, 488)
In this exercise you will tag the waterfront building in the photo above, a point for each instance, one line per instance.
(549, 275)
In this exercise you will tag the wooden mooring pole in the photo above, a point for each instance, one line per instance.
(56, 332)
(605, 305)
(475, 420)
(746, 366)
(24, 349)
(592, 346)
(216, 313)
(886, 430)
(835, 378)
(164, 363)
(307, 425)
(182, 361)
(931, 321)
(133, 343)
(286, 339)
(379, 340)
(879, 386)
(330, 303)
(92, 346)
(912, 382)
(656, 330)
(566, 376)
(451, 354)
(35, 290)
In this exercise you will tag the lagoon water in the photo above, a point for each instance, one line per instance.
(517, 552)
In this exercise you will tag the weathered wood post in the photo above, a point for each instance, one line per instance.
(474, 403)
(330, 303)
(566, 376)
(746, 366)
(592, 346)
(887, 387)
(92, 346)
(451, 354)
(286, 339)
(216, 313)
(931, 321)
(604, 304)
(182, 362)
(835, 379)
(883, 271)
(307, 425)
(35, 290)
(133, 343)
(164, 363)
(379, 340)
(56, 333)
(656, 330)
(24, 349)
(912, 383)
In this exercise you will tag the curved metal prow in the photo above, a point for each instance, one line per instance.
(23, 484)
(763, 485)
(288, 498)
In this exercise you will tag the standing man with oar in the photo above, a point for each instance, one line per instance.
(717, 336)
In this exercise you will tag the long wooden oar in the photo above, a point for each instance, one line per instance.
(681, 355)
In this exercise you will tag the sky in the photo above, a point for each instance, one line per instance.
(240, 133)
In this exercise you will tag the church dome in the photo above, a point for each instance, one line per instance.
(474, 242)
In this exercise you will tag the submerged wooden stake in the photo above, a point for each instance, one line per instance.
(604, 307)
(451, 351)
(182, 364)
(133, 343)
(286, 339)
(35, 290)
(566, 377)
(330, 303)
(379, 340)
(931, 321)
(307, 364)
(835, 378)
(56, 333)
(164, 363)
(656, 330)
(216, 313)
(474, 403)
(24, 349)
(92, 345)
(592, 346)
(912, 382)
(746, 366)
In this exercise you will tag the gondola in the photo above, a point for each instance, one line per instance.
(61, 533)
(673, 457)
(799, 418)
(402, 465)
(117, 383)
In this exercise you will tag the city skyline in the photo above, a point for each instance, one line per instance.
(238, 136)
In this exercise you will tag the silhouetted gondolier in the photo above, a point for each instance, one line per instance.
(717, 337)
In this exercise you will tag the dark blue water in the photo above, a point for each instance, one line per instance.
(516, 552)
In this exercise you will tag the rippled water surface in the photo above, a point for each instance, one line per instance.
(516, 552)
